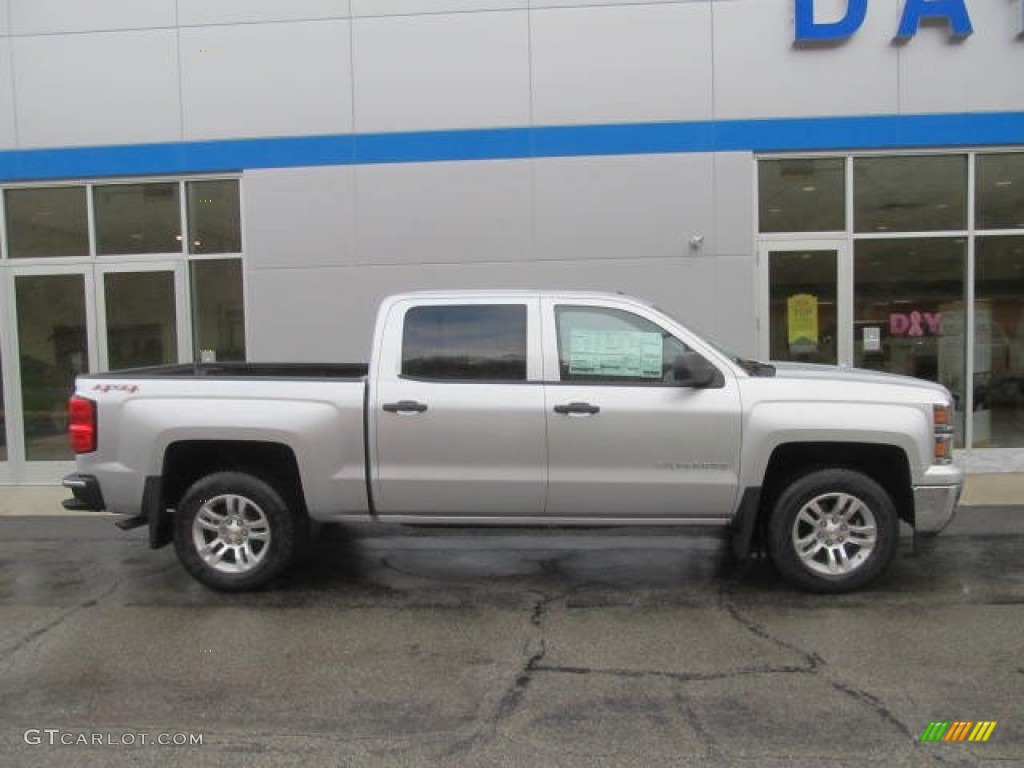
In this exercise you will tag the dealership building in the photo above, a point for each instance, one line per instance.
(830, 181)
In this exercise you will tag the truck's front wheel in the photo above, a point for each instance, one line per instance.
(233, 532)
(833, 530)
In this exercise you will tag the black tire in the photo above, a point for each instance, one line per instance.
(833, 530)
(234, 532)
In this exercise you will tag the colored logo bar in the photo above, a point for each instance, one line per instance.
(958, 730)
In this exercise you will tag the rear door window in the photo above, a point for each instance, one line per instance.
(465, 342)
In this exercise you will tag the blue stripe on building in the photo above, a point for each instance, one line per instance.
(767, 135)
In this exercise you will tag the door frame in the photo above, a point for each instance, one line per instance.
(18, 467)
(181, 304)
(844, 289)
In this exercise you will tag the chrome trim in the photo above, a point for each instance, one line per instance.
(934, 506)
(542, 522)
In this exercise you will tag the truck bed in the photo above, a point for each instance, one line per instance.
(230, 370)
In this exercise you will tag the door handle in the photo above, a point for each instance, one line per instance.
(404, 406)
(585, 408)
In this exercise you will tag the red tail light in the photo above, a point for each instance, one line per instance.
(82, 424)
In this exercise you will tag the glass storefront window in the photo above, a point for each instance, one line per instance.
(802, 195)
(213, 215)
(925, 193)
(909, 310)
(999, 191)
(999, 342)
(218, 315)
(137, 218)
(141, 320)
(46, 222)
(53, 346)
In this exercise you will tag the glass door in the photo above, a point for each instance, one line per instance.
(53, 343)
(804, 307)
(143, 319)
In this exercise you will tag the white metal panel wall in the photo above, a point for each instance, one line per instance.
(41, 17)
(265, 68)
(8, 137)
(612, 223)
(300, 218)
(463, 70)
(621, 64)
(759, 73)
(444, 213)
(983, 73)
(299, 76)
(409, 7)
(200, 12)
(642, 207)
(304, 314)
(98, 88)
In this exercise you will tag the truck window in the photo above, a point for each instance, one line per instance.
(465, 342)
(604, 345)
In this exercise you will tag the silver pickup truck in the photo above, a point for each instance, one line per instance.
(519, 408)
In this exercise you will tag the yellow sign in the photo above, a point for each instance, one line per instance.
(802, 322)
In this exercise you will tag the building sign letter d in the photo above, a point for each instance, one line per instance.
(808, 30)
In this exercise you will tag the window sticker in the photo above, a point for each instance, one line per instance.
(633, 354)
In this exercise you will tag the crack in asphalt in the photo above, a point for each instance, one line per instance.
(874, 703)
(714, 749)
(682, 677)
(813, 662)
(486, 729)
(816, 664)
(9, 653)
(535, 650)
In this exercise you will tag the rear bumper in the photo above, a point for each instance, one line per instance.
(86, 493)
(934, 506)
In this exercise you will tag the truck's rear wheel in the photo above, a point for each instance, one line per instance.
(833, 530)
(234, 532)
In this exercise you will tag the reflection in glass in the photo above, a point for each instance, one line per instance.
(465, 342)
(802, 288)
(909, 310)
(46, 222)
(213, 216)
(910, 194)
(141, 327)
(802, 195)
(1000, 191)
(137, 218)
(218, 314)
(999, 342)
(53, 350)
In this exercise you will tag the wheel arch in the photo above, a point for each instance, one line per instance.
(887, 465)
(186, 461)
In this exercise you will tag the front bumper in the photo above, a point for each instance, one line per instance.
(934, 506)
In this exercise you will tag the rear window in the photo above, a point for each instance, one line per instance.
(465, 342)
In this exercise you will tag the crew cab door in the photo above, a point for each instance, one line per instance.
(631, 433)
(456, 421)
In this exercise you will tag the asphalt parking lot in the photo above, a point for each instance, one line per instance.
(457, 647)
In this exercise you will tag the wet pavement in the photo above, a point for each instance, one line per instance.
(451, 647)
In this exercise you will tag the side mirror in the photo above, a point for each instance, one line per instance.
(692, 370)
